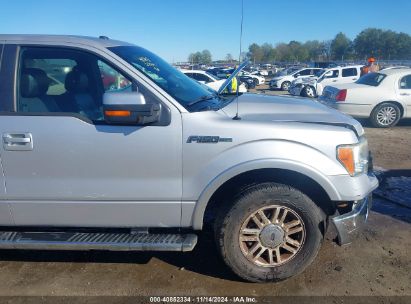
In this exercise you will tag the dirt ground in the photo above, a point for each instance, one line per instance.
(378, 263)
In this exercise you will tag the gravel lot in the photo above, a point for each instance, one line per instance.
(378, 263)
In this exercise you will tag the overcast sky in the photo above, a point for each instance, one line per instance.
(175, 28)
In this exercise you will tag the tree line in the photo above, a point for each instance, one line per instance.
(371, 42)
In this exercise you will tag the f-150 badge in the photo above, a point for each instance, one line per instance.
(208, 139)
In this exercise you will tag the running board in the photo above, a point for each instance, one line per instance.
(97, 241)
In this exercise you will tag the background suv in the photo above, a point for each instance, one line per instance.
(314, 86)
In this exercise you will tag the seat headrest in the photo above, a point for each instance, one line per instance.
(76, 81)
(34, 83)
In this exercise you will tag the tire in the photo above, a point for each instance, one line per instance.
(309, 91)
(285, 85)
(238, 216)
(385, 115)
(256, 82)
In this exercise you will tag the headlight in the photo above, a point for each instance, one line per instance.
(354, 157)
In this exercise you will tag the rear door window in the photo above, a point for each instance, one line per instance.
(349, 72)
(405, 83)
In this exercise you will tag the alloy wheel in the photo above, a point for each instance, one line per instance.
(272, 236)
(386, 115)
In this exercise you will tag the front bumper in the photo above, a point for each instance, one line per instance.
(349, 224)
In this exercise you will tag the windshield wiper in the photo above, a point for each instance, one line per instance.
(202, 98)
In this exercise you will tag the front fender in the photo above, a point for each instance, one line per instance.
(290, 160)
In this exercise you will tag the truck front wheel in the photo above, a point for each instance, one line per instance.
(270, 232)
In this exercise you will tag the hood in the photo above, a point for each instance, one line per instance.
(257, 107)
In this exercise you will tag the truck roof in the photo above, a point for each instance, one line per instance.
(101, 41)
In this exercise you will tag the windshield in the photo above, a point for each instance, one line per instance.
(181, 87)
(371, 79)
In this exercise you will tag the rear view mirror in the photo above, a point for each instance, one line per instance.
(129, 108)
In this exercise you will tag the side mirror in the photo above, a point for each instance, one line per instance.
(328, 74)
(129, 108)
(296, 75)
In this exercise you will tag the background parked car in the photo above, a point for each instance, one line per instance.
(259, 79)
(283, 80)
(225, 73)
(383, 97)
(210, 80)
(249, 82)
(313, 87)
(304, 86)
(213, 71)
(260, 73)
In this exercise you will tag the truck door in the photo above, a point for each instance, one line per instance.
(65, 166)
(5, 215)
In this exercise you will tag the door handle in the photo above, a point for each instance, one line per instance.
(405, 94)
(18, 141)
(334, 80)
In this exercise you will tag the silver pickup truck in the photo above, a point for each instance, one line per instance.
(105, 146)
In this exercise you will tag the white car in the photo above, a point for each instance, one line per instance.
(226, 72)
(260, 72)
(383, 97)
(210, 80)
(313, 86)
(260, 79)
(283, 81)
